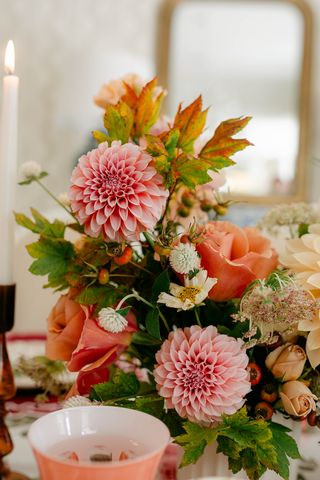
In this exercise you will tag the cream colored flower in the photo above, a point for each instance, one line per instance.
(194, 292)
(303, 258)
(297, 399)
(112, 321)
(77, 401)
(184, 258)
(313, 340)
(286, 362)
(30, 170)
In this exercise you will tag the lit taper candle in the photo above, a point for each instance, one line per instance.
(8, 165)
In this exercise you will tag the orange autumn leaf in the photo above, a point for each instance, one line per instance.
(190, 122)
(222, 145)
(148, 108)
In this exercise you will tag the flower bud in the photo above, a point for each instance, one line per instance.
(286, 362)
(297, 399)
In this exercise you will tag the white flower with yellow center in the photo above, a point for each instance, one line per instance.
(194, 292)
(184, 258)
(111, 321)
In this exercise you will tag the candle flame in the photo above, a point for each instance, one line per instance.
(9, 59)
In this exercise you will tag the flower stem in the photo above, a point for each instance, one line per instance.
(163, 318)
(149, 239)
(196, 312)
(143, 300)
(141, 268)
(55, 198)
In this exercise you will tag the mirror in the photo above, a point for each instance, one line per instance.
(247, 57)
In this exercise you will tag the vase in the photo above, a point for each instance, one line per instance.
(216, 464)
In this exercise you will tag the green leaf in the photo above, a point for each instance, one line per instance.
(118, 120)
(53, 256)
(41, 225)
(100, 136)
(120, 385)
(171, 141)
(161, 284)
(194, 441)
(192, 171)
(100, 295)
(124, 311)
(144, 338)
(152, 323)
(285, 447)
(190, 122)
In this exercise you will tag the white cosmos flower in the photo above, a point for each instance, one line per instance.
(194, 292)
(30, 169)
(184, 258)
(111, 321)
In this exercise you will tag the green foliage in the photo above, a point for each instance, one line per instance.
(144, 338)
(285, 447)
(33, 178)
(303, 229)
(99, 295)
(161, 284)
(251, 445)
(100, 136)
(53, 256)
(152, 323)
(120, 385)
(39, 224)
(118, 121)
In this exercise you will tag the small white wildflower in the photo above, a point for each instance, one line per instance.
(193, 293)
(184, 258)
(77, 401)
(64, 199)
(30, 169)
(111, 321)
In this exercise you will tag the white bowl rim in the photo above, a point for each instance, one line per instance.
(96, 465)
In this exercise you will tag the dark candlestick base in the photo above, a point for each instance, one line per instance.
(7, 387)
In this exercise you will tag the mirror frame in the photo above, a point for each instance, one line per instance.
(301, 179)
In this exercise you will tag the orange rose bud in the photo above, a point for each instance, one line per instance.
(103, 277)
(125, 257)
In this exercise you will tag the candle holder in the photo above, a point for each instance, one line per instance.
(7, 386)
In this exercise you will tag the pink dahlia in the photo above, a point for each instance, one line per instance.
(202, 374)
(116, 192)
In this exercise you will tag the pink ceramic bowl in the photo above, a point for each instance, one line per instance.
(137, 427)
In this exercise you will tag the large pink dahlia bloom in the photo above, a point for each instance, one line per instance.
(116, 192)
(202, 374)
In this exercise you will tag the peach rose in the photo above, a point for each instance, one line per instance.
(65, 323)
(97, 346)
(286, 362)
(235, 256)
(297, 399)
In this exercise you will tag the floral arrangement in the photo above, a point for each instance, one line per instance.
(168, 309)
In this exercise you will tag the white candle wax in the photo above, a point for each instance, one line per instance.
(8, 167)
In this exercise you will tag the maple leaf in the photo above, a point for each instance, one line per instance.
(148, 108)
(190, 122)
(118, 121)
(222, 145)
